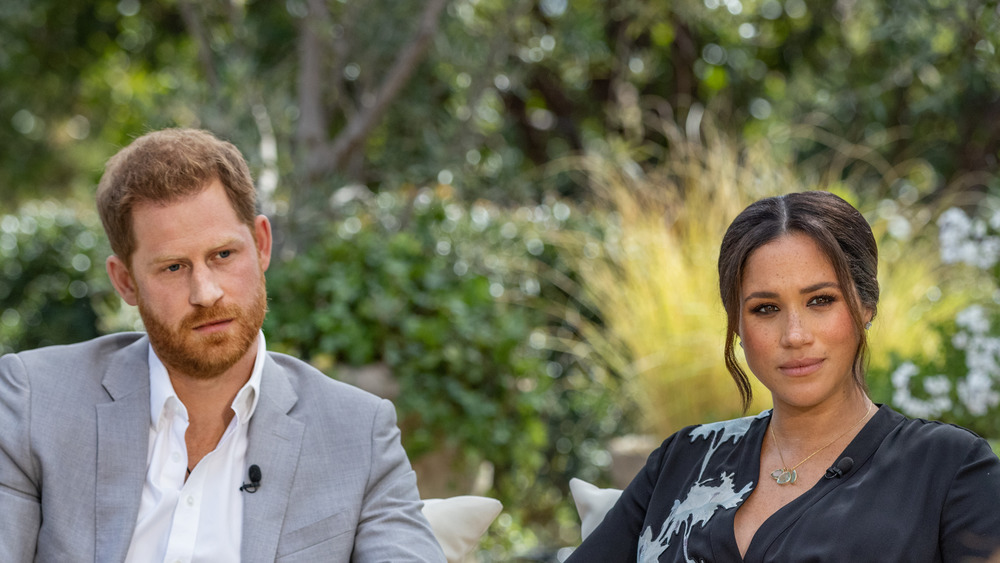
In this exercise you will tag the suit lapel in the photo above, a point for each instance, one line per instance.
(122, 443)
(275, 439)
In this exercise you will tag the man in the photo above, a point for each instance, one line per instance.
(191, 442)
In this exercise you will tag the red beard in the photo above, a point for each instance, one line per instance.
(206, 356)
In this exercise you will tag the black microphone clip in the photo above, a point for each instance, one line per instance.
(842, 466)
(254, 483)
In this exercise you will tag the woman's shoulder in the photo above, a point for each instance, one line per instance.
(934, 431)
(734, 429)
(711, 438)
(933, 438)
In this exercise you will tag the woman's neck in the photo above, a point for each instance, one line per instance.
(805, 427)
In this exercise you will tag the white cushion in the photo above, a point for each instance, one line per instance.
(459, 522)
(592, 503)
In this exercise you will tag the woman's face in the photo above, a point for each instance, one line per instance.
(795, 324)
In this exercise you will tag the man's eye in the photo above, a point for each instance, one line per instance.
(225, 253)
(173, 267)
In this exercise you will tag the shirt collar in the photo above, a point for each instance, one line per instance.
(161, 391)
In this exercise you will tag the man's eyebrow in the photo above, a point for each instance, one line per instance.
(165, 258)
(230, 241)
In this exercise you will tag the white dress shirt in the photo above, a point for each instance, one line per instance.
(201, 519)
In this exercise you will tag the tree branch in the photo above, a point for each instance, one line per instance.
(353, 135)
(341, 51)
(194, 27)
(312, 119)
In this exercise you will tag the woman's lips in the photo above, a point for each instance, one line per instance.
(798, 368)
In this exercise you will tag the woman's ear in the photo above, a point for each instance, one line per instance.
(121, 279)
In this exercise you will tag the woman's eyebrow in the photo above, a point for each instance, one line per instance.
(804, 290)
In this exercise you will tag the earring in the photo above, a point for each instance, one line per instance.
(868, 325)
(740, 343)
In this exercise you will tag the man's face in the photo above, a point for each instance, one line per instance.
(197, 276)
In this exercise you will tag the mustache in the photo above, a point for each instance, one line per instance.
(215, 313)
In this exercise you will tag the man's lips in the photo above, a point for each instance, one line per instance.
(800, 367)
(212, 326)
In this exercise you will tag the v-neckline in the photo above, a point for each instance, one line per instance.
(860, 449)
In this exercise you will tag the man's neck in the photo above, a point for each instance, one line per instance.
(204, 396)
(209, 402)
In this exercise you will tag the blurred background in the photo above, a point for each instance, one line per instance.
(505, 214)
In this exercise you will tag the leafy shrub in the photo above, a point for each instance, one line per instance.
(53, 289)
(366, 294)
(459, 302)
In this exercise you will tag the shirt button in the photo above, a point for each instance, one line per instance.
(190, 501)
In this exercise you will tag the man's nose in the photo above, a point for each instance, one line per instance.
(205, 290)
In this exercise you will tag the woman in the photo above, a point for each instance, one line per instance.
(825, 475)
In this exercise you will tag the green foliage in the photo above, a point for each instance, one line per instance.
(896, 99)
(892, 79)
(52, 282)
(454, 301)
(377, 295)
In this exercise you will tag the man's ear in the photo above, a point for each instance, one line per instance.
(262, 240)
(122, 279)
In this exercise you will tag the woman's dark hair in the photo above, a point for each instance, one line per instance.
(841, 233)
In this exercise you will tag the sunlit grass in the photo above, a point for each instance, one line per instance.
(653, 283)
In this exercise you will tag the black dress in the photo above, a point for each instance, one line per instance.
(917, 491)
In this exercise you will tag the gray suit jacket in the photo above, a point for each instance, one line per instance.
(74, 431)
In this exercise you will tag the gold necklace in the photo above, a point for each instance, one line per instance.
(784, 475)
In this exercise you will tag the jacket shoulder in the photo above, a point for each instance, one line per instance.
(97, 346)
(89, 355)
(309, 383)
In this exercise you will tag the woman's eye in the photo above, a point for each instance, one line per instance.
(764, 309)
(821, 300)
